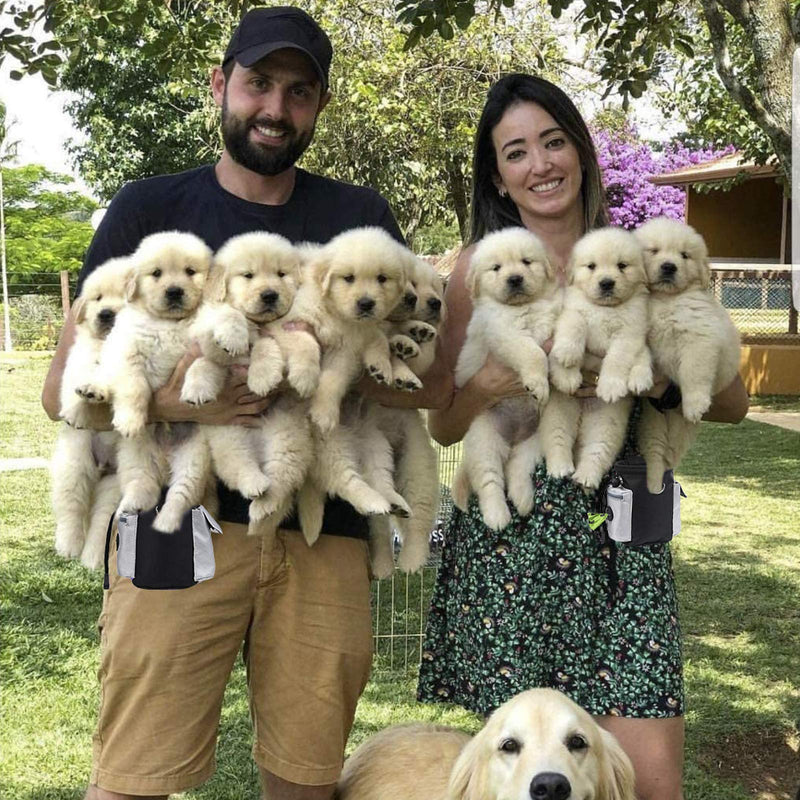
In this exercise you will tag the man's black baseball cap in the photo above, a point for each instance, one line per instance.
(261, 31)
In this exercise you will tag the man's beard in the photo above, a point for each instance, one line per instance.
(262, 159)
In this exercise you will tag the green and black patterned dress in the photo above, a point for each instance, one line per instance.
(543, 603)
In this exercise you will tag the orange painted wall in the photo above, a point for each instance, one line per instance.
(771, 369)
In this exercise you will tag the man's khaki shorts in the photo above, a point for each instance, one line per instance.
(303, 615)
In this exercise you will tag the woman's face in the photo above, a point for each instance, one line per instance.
(537, 164)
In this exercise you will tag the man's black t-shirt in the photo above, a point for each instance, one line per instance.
(318, 209)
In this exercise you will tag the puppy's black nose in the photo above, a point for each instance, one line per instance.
(550, 786)
(668, 268)
(434, 303)
(269, 297)
(106, 316)
(514, 281)
(410, 300)
(365, 304)
(606, 285)
(174, 293)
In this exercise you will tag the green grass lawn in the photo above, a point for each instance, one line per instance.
(736, 563)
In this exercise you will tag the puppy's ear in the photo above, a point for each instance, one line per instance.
(79, 309)
(472, 281)
(321, 272)
(616, 771)
(549, 270)
(704, 268)
(216, 285)
(469, 774)
(569, 271)
(132, 285)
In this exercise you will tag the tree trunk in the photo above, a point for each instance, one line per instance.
(458, 195)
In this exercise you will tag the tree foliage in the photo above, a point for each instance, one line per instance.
(750, 44)
(47, 222)
(400, 121)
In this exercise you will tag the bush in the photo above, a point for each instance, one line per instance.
(36, 321)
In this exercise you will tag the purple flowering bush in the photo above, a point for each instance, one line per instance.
(626, 163)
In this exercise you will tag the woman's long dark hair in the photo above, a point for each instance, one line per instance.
(490, 212)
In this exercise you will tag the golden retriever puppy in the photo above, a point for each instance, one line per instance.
(252, 286)
(139, 356)
(357, 279)
(538, 744)
(516, 300)
(691, 336)
(604, 315)
(85, 488)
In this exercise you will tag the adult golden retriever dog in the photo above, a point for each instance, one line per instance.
(538, 746)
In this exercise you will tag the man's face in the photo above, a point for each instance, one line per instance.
(269, 110)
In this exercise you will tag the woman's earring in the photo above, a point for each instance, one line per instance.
(502, 191)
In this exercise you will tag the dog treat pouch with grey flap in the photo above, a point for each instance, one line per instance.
(635, 516)
(155, 560)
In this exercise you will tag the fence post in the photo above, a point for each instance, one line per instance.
(65, 292)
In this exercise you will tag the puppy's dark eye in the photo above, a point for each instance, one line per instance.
(495, 268)
(382, 279)
(684, 255)
(621, 265)
(652, 250)
(190, 271)
(247, 275)
(156, 273)
(590, 266)
(576, 742)
(527, 262)
(349, 278)
(510, 746)
(281, 273)
(99, 297)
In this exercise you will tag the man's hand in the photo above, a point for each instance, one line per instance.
(495, 382)
(236, 404)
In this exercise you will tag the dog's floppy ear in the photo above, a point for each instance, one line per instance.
(704, 266)
(216, 285)
(321, 272)
(79, 309)
(616, 781)
(549, 271)
(472, 282)
(469, 774)
(132, 285)
(569, 271)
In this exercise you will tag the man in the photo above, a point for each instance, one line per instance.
(302, 613)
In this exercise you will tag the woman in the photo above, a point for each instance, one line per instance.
(543, 602)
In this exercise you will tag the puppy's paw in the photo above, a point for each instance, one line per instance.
(560, 467)
(382, 565)
(413, 556)
(93, 554)
(233, 338)
(694, 405)
(303, 378)
(129, 422)
(139, 497)
(567, 353)
(324, 416)
(69, 540)
(169, 519)
(77, 415)
(587, 475)
(565, 380)
(263, 377)
(521, 494)
(611, 389)
(496, 515)
(399, 507)
(379, 373)
(538, 387)
(640, 378)
(403, 347)
(253, 484)
(92, 392)
(407, 383)
(196, 392)
(421, 332)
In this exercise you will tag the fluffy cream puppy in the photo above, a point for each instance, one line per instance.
(149, 338)
(515, 300)
(85, 489)
(692, 338)
(605, 316)
(252, 285)
(357, 279)
(538, 744)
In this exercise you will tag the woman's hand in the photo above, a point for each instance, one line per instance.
(236, 404)
(494, 382)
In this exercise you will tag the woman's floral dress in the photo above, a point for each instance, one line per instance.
(544, 603)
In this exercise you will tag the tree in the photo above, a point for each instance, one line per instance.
(401, 121)
(47, 228)
(633, 36)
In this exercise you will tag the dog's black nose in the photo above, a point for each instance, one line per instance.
(174, 293)
(365, 304)
(514, 281)
(434, 303)
(410, 300)
(550, 786)
(269, 297)
(668, 268)
(607, 285)
(106, 316)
